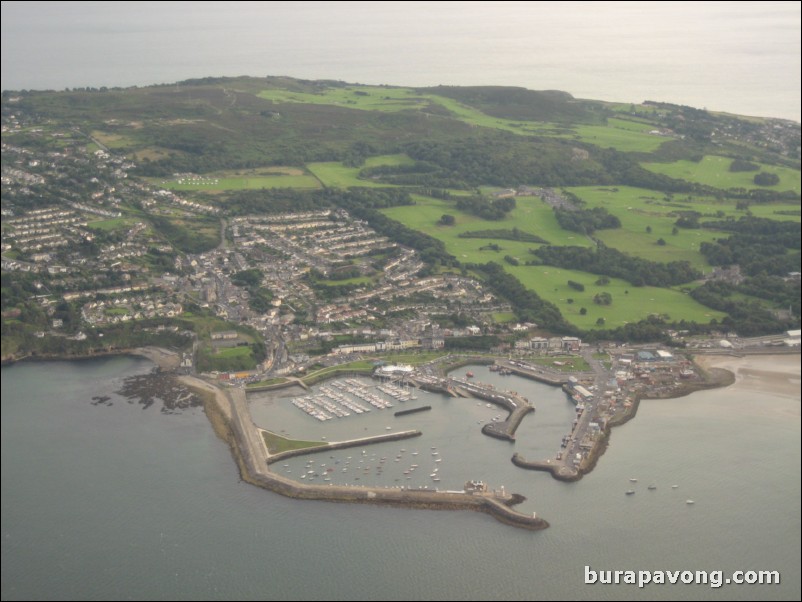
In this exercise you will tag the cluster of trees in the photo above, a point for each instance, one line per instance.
(481, 343)
(586, 221)
(500, 159)
(689, 220)
(485, 208)
(746, 317)
(504, 234)
(603, 298)
(758, 245)
(743, 165)
(446, 220)
(766, 179)
(577, 286)
(611, 262)
(247, 278)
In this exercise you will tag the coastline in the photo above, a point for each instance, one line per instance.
(774, 374)
(228, 413)
(165, 359)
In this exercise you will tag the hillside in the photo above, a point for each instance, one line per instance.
(662, 214)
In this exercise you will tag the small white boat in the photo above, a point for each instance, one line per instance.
(689, 502)
(652, 487)
(633, 480)
(674, 486)
(630, 492)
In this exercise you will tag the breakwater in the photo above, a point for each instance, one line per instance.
(250, 451)
(333, 445)
(412, 411)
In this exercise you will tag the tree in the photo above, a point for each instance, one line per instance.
(766, 179)
(583, 311)
(600, 322)
(446, 220)
(674, 230)
(648, 229)
(604, 298)
(661, 242)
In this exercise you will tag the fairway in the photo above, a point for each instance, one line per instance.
(627, 307)
(534, 216)
(530, 215)
(640, 208)
(334, 174)
(713, 170)
(622, 134)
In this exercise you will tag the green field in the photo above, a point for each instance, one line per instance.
(334, 174)
(530, 215)
(226, 352)
(364, 98)
(625, 136)
(211, 183)
(622, 134)
(503, 317)
(639, 208)
(108, 225)
(713, 170)
(534, 216)
(637, 304)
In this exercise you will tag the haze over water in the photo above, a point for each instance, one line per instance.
(742, 57)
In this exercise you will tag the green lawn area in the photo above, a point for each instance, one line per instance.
(625, 136)
(622, 134)
(530, 215)
(390, 160)
(503, 317)
(534, 216)
(209, 183)
(243, 351)
(364, 98)
(637, 304)
(334, 174)
(277, 444)
(323, 373)
(639, 208)
(713, 170)
(113, 140)
(570, 363)
(108, 225)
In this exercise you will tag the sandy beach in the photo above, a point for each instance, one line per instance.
(774, 374)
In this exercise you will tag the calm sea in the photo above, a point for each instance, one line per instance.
(116, 501)
(742, 57)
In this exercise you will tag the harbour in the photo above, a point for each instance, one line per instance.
(178, 521)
